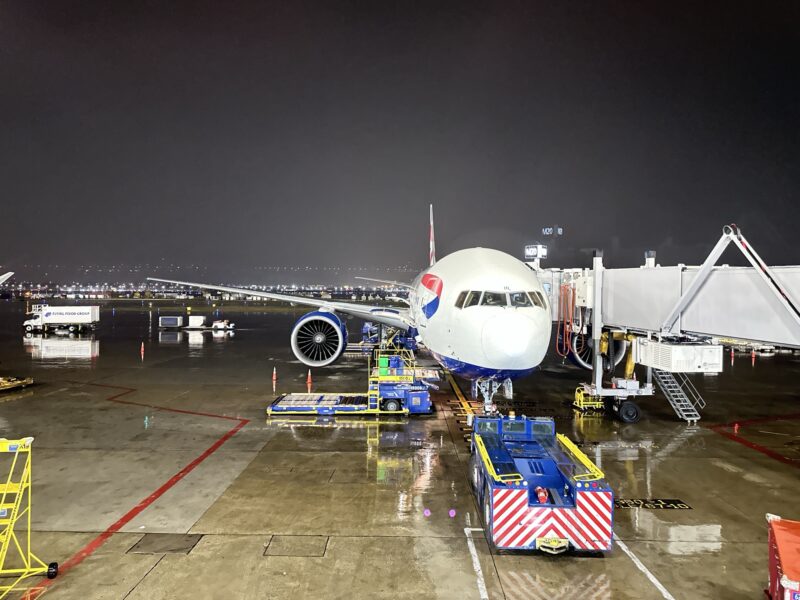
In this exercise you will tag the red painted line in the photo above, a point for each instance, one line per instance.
(789, 417)
(177, 410)
(101, 539)
(127, 390)
(757, 447)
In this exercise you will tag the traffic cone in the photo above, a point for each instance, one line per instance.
(308, 379)
(274, 373)
(753, 357)
(141, 351)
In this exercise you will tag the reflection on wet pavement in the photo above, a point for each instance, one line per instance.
(391, 496)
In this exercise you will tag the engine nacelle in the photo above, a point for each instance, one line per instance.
(319, 338)
(582, 351)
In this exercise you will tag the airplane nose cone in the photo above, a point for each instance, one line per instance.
(515, 341)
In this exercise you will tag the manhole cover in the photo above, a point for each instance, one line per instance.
(165, 543)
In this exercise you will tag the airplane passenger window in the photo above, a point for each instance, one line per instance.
(460, 300)
(537, 299)
(519, 299)
(494, 299)
(473, 299)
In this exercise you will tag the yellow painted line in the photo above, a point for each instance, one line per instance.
(466, 406)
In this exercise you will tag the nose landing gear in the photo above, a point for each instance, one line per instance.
(488, 387)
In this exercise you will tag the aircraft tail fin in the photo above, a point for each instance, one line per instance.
(432, 242)
(6, 276)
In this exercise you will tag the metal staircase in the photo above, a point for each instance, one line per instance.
(684, 398)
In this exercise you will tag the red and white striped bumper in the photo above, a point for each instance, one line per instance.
(587, 526)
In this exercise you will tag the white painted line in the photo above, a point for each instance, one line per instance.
(476, 563)
(659, 586)
(56, 391)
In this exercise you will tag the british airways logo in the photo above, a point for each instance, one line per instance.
(434, 286)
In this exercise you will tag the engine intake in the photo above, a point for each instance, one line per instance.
(582, 351)
(319, 338)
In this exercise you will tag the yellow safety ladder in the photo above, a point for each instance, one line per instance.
(15, 518)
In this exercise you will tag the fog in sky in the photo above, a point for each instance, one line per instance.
(238, 135)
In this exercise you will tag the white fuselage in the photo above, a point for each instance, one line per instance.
(482, 313)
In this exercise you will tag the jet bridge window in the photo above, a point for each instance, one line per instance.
(494, 299)
(519, 299)
(538, 299)
(472, 299)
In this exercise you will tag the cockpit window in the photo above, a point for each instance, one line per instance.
(519, 299)
(538, 299)
(460, 300)
(473, 299)
(494, 299)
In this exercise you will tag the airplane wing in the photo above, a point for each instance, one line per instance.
(387, 282)
(6, 276)
(394, 317)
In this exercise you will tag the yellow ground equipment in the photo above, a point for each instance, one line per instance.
(584, 401)
(15, 518)
(12, 383)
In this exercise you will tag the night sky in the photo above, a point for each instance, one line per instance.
(238, 135)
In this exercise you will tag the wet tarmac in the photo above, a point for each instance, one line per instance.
(158, 476)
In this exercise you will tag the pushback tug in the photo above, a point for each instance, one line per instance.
(537, 490)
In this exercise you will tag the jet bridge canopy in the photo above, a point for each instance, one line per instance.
(733, 302)
(758, 303)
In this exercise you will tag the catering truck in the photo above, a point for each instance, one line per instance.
(71, 318)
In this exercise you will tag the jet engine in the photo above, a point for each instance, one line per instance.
(581, 351)
(319, 338)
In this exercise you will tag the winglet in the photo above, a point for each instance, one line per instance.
(432, 248)
(6, 276)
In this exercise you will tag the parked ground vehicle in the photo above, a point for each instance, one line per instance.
(71, 318)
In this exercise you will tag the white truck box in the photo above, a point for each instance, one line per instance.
(196, 321)
(170, 322)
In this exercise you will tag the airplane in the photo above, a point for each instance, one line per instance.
(6, 276)
(482, 314)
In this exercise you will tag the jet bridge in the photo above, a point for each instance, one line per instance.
(670, 316)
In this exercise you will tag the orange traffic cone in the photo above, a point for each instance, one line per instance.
(753, 357)
(141, 351)
(274, 373)
(308, 379)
